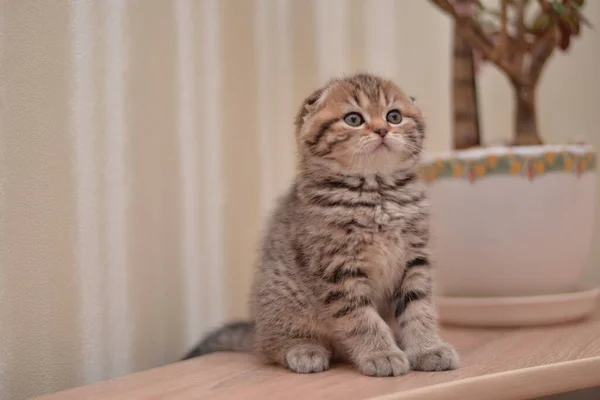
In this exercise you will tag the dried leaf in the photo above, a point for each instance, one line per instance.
(541, 23)
(565, 40)
(574, 22)
(559, 8)
(564, 24)
(565, 34)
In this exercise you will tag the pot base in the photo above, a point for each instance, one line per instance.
(517, 311)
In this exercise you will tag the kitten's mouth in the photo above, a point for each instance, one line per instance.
(382, 147)
(376, 148)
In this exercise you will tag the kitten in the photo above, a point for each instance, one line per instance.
(345, 269)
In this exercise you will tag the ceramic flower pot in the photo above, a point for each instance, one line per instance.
(511, 221)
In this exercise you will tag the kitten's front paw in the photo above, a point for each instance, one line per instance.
(385, 364)
(308, 358)
(437, 358)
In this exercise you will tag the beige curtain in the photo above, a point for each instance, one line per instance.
(142, 143)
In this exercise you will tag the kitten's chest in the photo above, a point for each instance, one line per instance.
(388, 217)
(385, 253)
(386, 246)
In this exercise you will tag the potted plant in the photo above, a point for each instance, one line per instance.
(515, 221)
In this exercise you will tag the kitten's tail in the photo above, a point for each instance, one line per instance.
(236, 336)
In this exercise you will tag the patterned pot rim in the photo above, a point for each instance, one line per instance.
(528, 162)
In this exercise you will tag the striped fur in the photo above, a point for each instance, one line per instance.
(345, 269)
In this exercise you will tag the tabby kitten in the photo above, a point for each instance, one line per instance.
(345, 269)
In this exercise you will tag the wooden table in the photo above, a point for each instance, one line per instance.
(496, 364)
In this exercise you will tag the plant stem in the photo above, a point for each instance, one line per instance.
(464, 91)
(526, 129)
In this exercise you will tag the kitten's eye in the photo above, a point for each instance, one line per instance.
(354, 119)
(394, 117)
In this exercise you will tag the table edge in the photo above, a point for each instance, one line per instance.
(525, 383)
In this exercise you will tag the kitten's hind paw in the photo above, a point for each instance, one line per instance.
(438, 358)
(385, 364)
(308, 358)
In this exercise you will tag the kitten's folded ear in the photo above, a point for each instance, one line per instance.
(412, 100)
(312, 100)
(309, 105)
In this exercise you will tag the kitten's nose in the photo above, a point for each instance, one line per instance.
(381, 131)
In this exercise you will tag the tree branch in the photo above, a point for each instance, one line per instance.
(544, 5)
(503, 45)
(521, 43)
(478, 40)
(541, 52)
(543, 47)
(445, 5)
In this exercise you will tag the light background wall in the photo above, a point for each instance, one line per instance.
(142, 143)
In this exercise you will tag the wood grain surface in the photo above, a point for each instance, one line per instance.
(496, 364)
